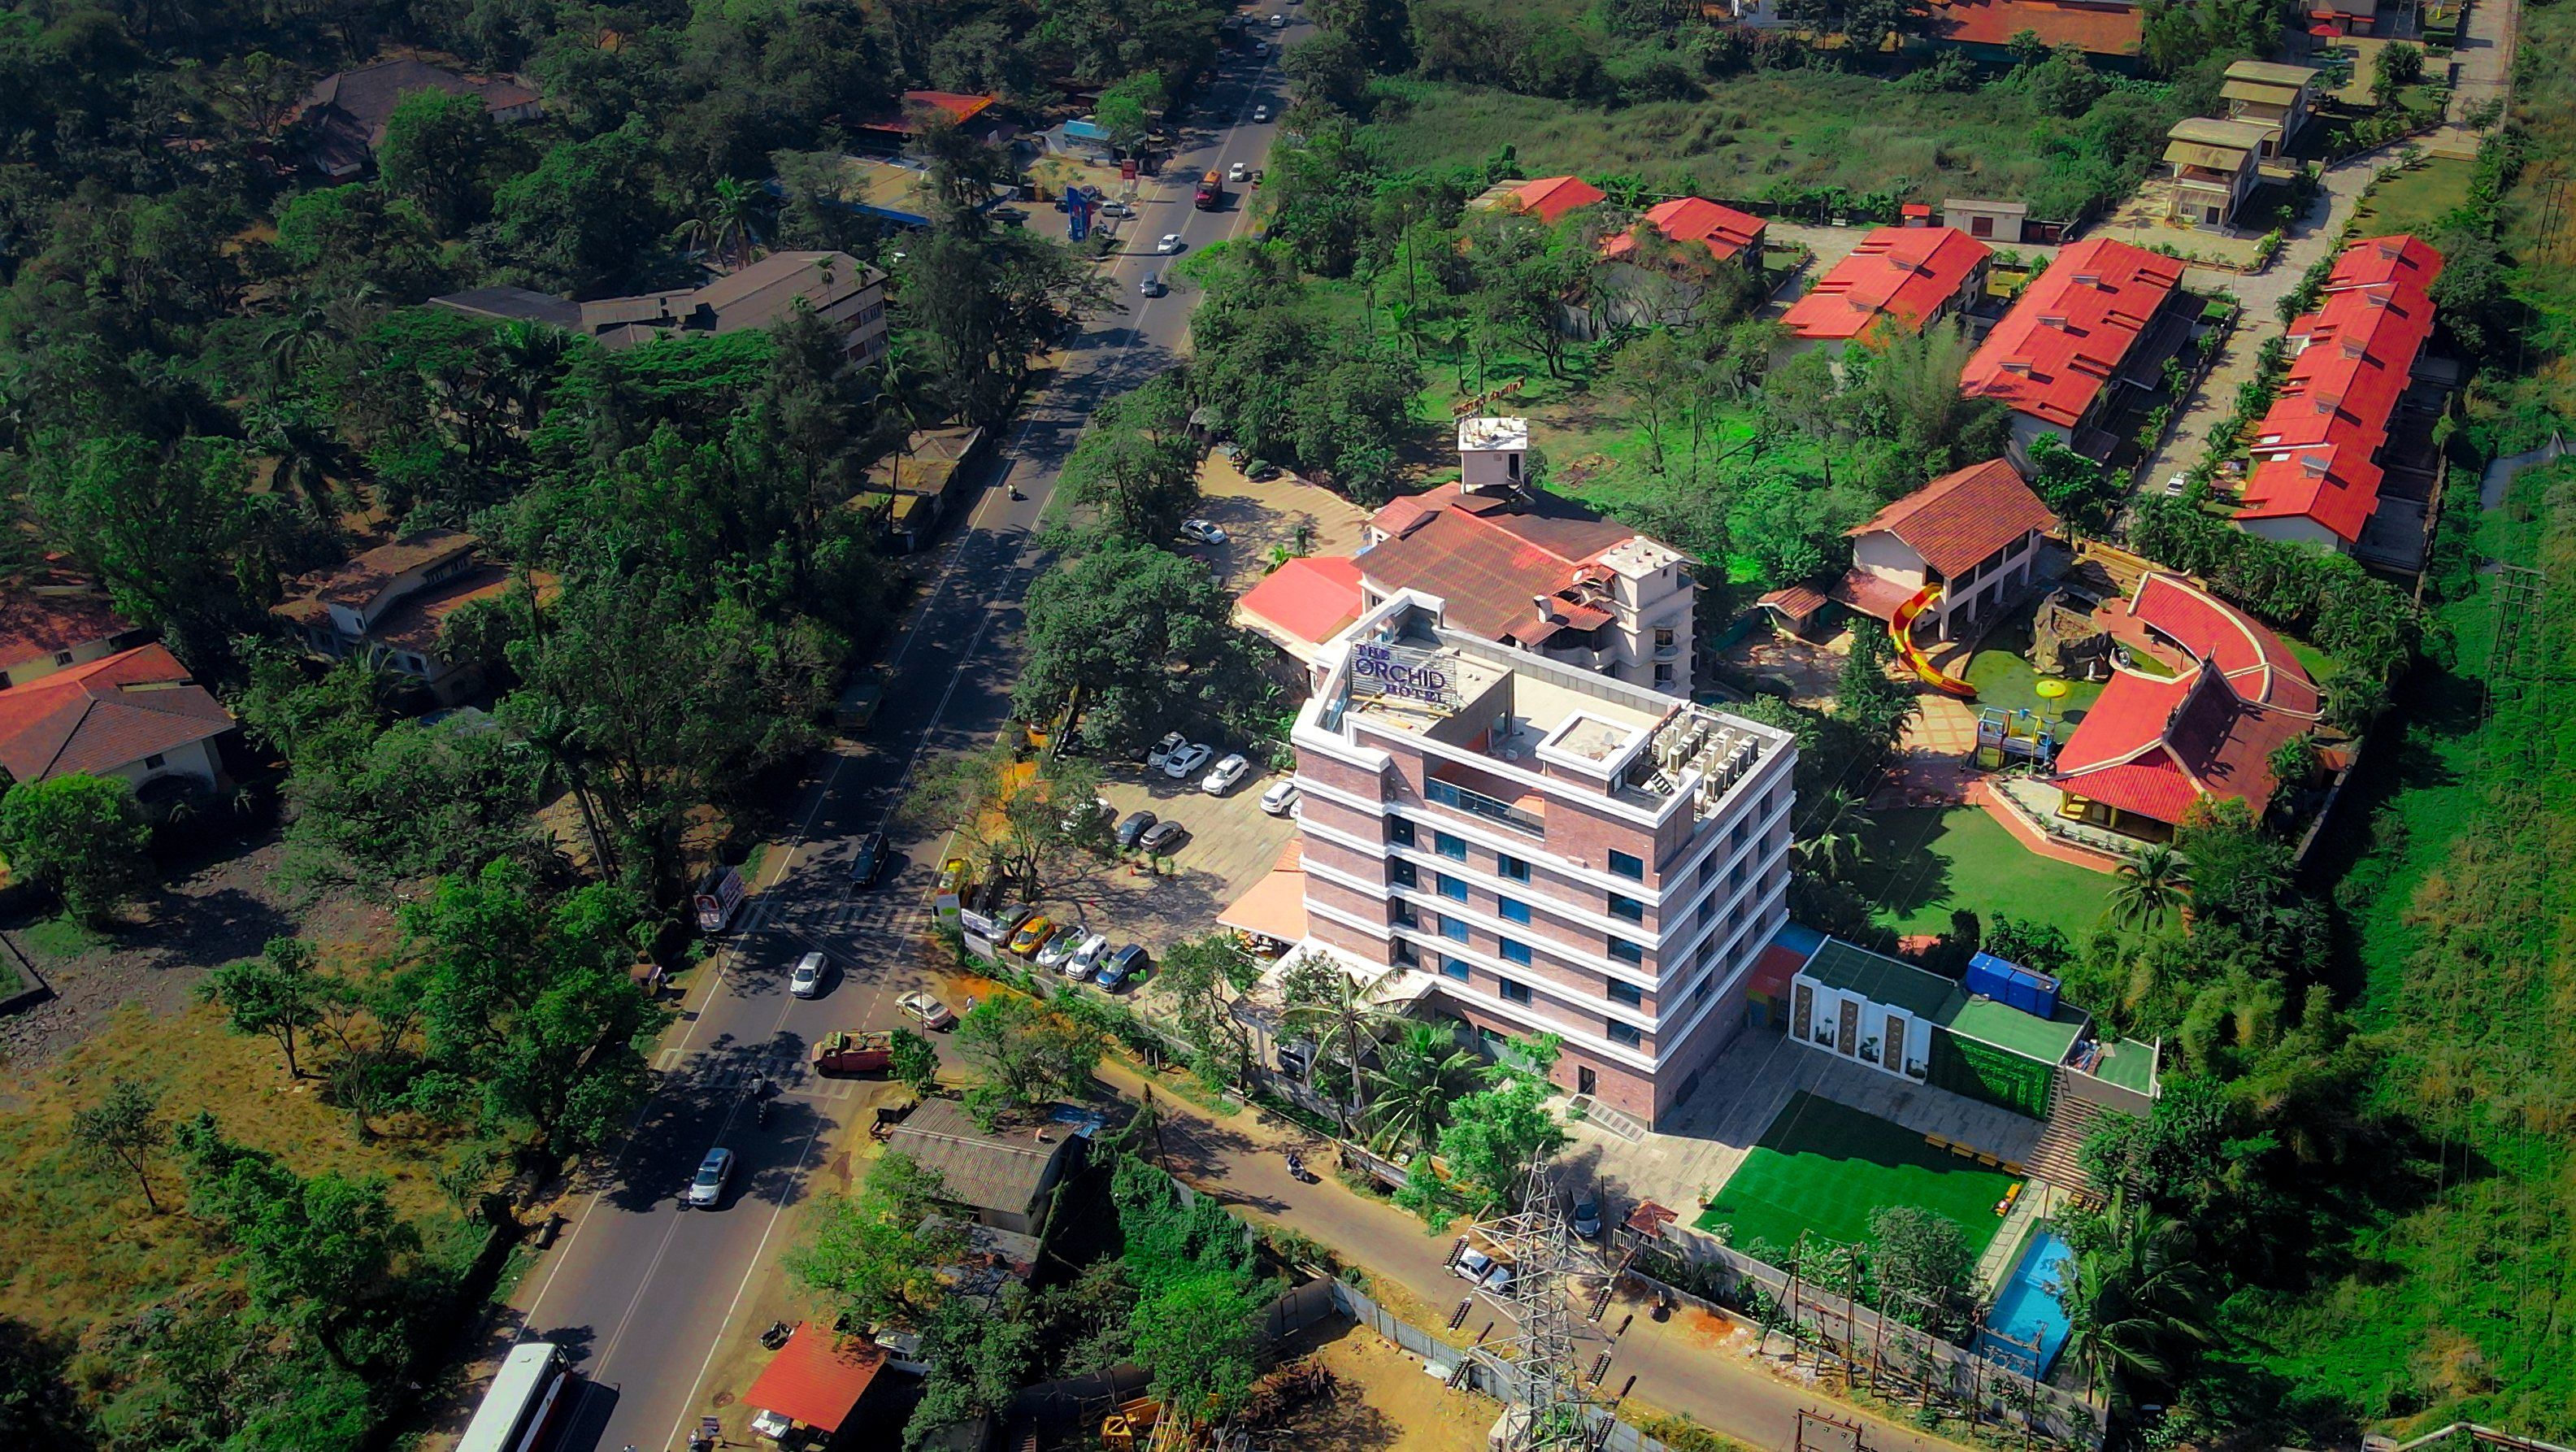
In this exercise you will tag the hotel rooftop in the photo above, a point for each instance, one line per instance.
(1528, 720)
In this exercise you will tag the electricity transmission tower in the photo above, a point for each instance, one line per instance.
(1544, 1355)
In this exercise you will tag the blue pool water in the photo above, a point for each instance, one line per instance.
(2025, 1307)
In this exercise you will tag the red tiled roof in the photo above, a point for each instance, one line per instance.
(1723, 230)
(1962, 517)
(2258, 663)
(357, 583)
(416, 619)
(2068, 334)
(106, 714)
(2153, 745)
(957, 106)
(1795, 601)
(2095, 29)
(1490, 559)
(38, 620)
(2160, 745)
(1904, 273)
(815, 1378)
(2317, 445)
(1550, 198)
(1311, 599)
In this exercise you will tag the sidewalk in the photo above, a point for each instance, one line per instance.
(1695, 1364)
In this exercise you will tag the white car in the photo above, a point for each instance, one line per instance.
(1260, 114)
(1278, 22)
(1226, 773)
(1482, 1269)
(708, 1186)
(1161, 755)
(1171, 243)
(1202, 531)
(1261, 47)
(1281, 796)
(1081, 817)
(1060, 946)
(807, 980)
(1238, 172)
(1186, 762)
(928, 1011)
(1087, 957)
(2176, 484)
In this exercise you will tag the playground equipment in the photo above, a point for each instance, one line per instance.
(1900, 629)
(2004, 737)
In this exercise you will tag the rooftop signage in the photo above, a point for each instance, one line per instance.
(1407, 672)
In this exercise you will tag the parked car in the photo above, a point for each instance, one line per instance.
(1169, 244)
(1186, 762)
(1082, 817)
(1222, 777)
(1278, 22)
(1031, 934)
(1261, 47)
(708, 1187)
(1007, 922)
(1151, 285)
(1124, 964)
(1116, 208)
(807, 980)
(929, 1012)
(1163, 838)
(1482, 1269)
(1280, 797)
(1202, 531)
(1587, 1216)
(2176, 484)
(955, 875)
(1134, 828)
(1087, 957)
(1059, 946)
(869, 864)
(1172, 741)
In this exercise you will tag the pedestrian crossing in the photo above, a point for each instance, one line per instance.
(735, 1073)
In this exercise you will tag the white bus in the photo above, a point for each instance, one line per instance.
(519, 1410)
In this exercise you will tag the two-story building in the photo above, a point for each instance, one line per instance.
(133, 714)
(2214, 168)
(1975, 532)
(345, 114)
(2095, 327)
(52, 620)
(1520, 847)
(2279, 98)
(392, 604)
(1900, 278)
(834, 286)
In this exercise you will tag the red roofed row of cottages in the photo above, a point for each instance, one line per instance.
(2100, 320)
(1901, 277)
(1509, 562)
(2317, 471)
(2153, 745)
(1975, 532)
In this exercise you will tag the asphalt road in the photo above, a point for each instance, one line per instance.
(641, 1292)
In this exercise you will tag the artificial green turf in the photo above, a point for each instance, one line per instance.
(1918, 864)
(1823, 1167)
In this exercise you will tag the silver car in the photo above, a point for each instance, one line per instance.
(708, 1187)
(807, 980)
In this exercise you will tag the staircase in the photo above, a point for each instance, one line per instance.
(2055, 1158)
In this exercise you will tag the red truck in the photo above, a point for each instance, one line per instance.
(1211, 192)
(843, 1052)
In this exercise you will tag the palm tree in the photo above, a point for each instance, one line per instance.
(2152, 883)
(1320, 1001)
(730, 227)
(1834, 846)
(1419, 1072)
(295, 338)
(309, 455)
(2137, 1303)
(526, 357)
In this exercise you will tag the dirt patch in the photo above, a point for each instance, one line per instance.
(211, 909)
(1382, 1401)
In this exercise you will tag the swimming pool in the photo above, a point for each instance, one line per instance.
(2026, 1308)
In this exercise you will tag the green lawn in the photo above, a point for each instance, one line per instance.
(1808, 128)
(1921, 863)
(1823, 1167)
(2414, 200)
(2004, 679)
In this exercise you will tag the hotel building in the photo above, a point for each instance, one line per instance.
(1526, 846)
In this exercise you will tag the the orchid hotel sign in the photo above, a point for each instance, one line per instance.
(1379, 669)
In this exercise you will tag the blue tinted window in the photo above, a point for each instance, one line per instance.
(1515, 952)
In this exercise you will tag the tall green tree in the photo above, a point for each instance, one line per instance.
(123, 1131)
(1027, 1057)
(869, 1255)
(1420, 1072)
(277, 994)
(1136, 462)
(174, 532)
(1143, 641)
(80, 835)
(437, 147)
